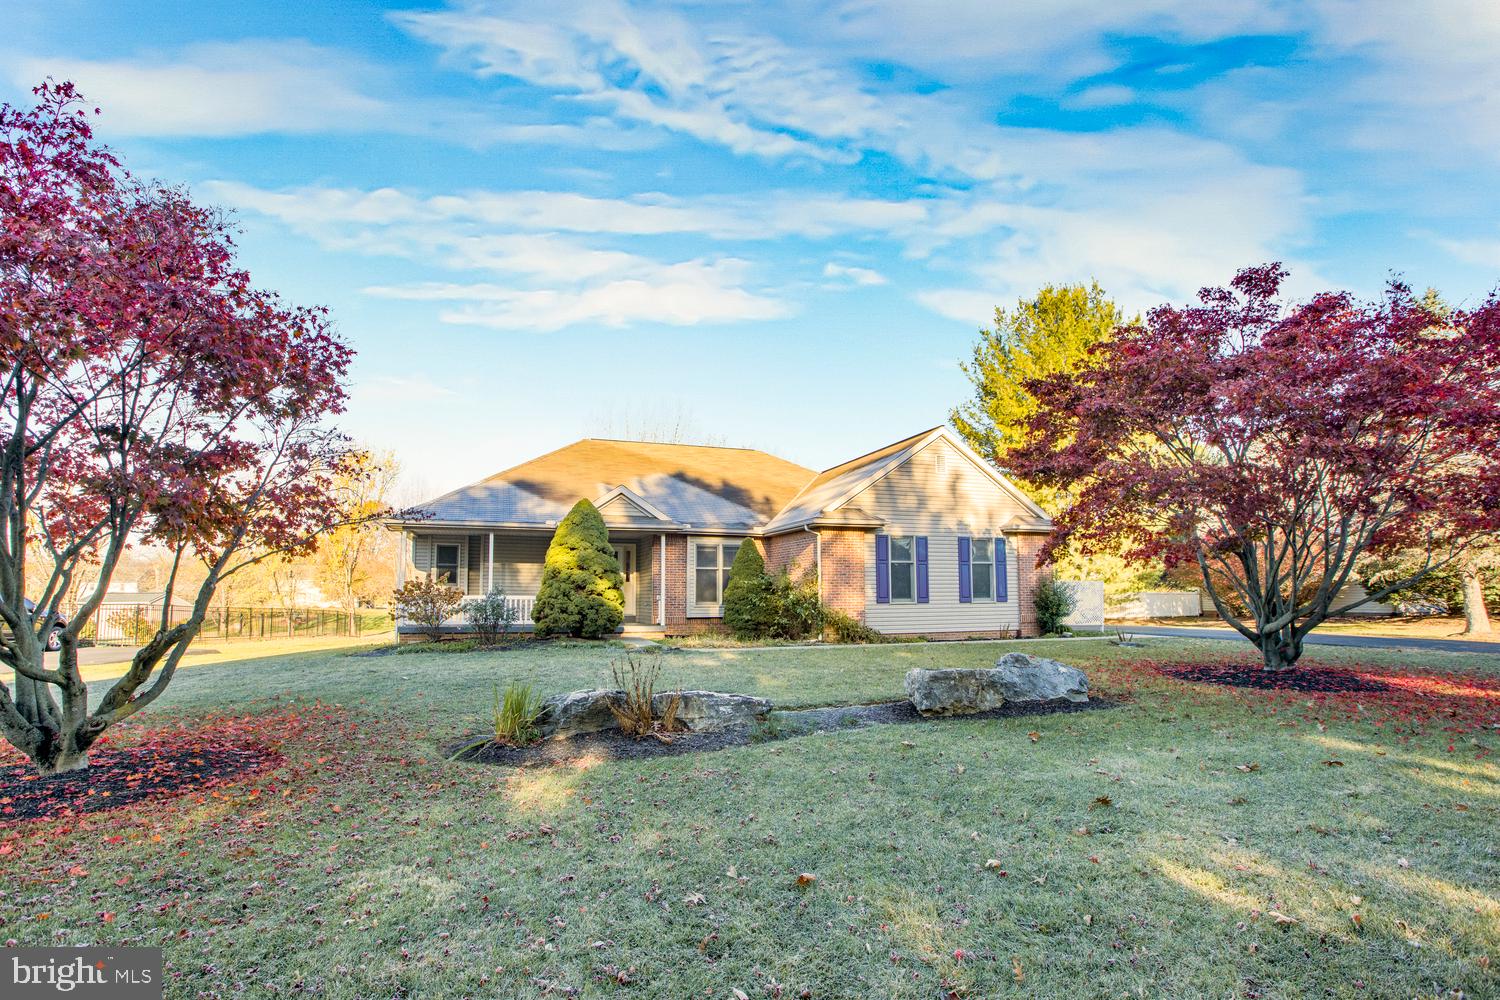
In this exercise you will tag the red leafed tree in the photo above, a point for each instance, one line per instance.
(147, 393)
(1269, 444)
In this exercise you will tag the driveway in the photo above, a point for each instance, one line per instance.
(1367, 641)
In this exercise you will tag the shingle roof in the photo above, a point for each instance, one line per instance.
(832, 485)
(732, 488)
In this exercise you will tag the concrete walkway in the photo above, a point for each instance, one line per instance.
(1329, 639)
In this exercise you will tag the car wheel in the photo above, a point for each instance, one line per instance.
(54, 640)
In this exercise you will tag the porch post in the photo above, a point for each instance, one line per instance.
(661, 585)
(404, 554)
(489, 575)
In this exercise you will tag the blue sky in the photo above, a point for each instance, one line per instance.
(780, 225)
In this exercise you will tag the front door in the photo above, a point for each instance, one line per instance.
(631, 572)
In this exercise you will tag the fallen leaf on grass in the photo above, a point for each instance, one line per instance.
(994, 865)
(1333, 763)
(1102, 801)
(1034, 736)
(806, 879)
(1282, 919)
(1015, 968)
(739, 994)
(1247, 768)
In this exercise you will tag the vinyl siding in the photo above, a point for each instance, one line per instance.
(939, 493)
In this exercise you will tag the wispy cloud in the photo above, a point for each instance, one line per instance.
(848, 276)
(220, 89)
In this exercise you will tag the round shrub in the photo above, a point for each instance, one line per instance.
(581, 592)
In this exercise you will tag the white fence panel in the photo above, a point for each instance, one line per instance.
(1159, 604)
(1088, 603)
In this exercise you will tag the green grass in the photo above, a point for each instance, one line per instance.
(368, 866)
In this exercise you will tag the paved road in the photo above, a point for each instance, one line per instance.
(1329, 639)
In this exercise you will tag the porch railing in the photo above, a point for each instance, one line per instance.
(522, 603)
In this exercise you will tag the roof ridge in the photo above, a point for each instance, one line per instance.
(856, 460)
(683, 444)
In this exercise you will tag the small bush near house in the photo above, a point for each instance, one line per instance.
(846, 628)
(1054, 602)
(493, 616)
(426, 602)
(748, 610)
(796, 611)
(637, 716)
(581, 591)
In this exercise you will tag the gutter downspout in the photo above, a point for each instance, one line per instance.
(817, 557)
(661, 582)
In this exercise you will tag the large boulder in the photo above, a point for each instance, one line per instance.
(1016, 677)
(706, 711)
(953, 692)
(574, 713)
(1022, 677)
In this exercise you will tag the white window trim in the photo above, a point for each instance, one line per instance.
(462, 583)
(994, 575)
(695, 609)
(890, 562)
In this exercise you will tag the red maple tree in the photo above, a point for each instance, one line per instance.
(148, 392)
(1271, 443)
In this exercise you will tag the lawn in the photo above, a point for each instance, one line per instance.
(1194, 841)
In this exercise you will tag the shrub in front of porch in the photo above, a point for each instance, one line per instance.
(426, 602)
(581, 592)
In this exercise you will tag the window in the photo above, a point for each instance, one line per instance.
(982, 569)
(445, 564)
(903, 569)
(711, 563)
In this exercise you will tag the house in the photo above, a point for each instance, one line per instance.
(921, 537)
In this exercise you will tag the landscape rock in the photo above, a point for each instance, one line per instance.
(709, 711)
(574, 713)
(1022, 677)
(1016, 677)
(953, 691)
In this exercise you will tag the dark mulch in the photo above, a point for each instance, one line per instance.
(1310, 679)
(615, 745)
(121, 776)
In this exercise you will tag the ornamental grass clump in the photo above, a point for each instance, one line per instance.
(637, 712)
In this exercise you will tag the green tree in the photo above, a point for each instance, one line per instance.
(1049, 334)
(581, 592)
(748, 610)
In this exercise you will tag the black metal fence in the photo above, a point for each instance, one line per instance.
(133, 624)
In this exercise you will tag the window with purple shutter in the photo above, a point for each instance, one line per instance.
(921, 569)
(1001, 591)
(882, 569)
(965, 582)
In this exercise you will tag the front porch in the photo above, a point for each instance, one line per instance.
(511, 561)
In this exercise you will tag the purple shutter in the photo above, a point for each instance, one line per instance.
(1001, 593)
(921, 548)
(965, 579)
(882, 569)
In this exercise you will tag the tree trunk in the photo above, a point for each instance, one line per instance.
(1280, 650)
(1476, 617)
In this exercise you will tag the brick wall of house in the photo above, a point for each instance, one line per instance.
(844, 570)
(1027, 548)
(843, 564)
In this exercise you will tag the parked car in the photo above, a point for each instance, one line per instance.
(54, 639)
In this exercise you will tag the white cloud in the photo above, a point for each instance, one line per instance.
(846, 276)
(219, 89)
(683, 294)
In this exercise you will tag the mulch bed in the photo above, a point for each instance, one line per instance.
(1311, 679)
(615, 745)
(121, 776)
